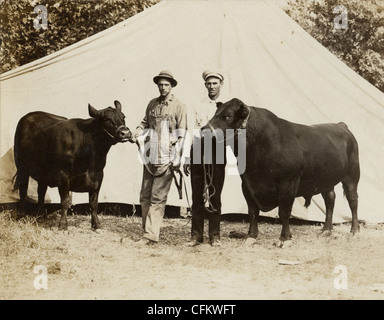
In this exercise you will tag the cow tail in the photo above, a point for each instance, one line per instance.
(307, 201)
(16, 182)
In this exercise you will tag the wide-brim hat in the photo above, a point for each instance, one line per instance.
(166, 74)
(208, 73)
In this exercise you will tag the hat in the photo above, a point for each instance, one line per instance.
(167, 75)
(208, 73)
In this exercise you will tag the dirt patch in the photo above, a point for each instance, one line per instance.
(110, 265)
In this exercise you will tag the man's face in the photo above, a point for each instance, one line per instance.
(213, 86)
(164, 86)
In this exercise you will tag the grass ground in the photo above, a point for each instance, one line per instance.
(110, 265)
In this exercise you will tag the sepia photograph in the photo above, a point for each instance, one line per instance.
(191, 154)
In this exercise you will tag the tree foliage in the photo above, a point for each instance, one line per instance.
(360, 46)
(69, 21)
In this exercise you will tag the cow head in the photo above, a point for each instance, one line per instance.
(111, 121)
(233, 114)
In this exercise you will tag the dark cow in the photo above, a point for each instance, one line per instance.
(286, 160)
(67, 153)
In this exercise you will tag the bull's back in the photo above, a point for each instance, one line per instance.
(330, 154)
(33, 126)
(33, 140)
(38, 120)
(320, 156)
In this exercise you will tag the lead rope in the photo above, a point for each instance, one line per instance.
(210, 171)
(208, 183)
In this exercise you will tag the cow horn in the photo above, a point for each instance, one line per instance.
(117, 105)
(92, 111)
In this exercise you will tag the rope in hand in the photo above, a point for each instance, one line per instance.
(180, 187)
(208, 183)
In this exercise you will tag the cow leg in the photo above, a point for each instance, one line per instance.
(22, 184)
(93, 201)
(41, 190)
(351, 194)
(65, 204)
(285, 208)
(253, 222)
(253, 212)
(329, 199)
(286, 197)
(253, 231)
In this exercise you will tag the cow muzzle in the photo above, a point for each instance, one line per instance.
(123, 134)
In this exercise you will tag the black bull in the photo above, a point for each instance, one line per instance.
(67, 153)
(286, 160)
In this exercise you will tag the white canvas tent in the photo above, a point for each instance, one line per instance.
(267, 59)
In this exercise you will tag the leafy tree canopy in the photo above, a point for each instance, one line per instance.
(360, 44)
(69, 21)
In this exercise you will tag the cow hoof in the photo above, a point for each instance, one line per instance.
(283, 244)
(21, 215)
(355, 234)
(98, 231)
(63, 228)
(249, 242)
(326, 232)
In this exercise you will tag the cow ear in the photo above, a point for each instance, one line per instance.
(92, 111)
(243, 111)
(118, 105)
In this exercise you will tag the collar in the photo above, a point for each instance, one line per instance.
(168, 100)
(245, 121)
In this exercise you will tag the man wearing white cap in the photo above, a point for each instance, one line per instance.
(201, 173)
(165, 121)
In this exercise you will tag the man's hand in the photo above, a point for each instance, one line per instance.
(176, 163)
(176, 166)
(137, 132)
(187, 169)
(132, 139)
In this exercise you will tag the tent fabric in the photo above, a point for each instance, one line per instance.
(267, 60)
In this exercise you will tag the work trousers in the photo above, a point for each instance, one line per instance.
(200, 174)
(153, 198)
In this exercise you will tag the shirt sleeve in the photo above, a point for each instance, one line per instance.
(181, 128)
(182, 118)
(144, 124)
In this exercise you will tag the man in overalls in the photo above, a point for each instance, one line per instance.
(165, 123)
